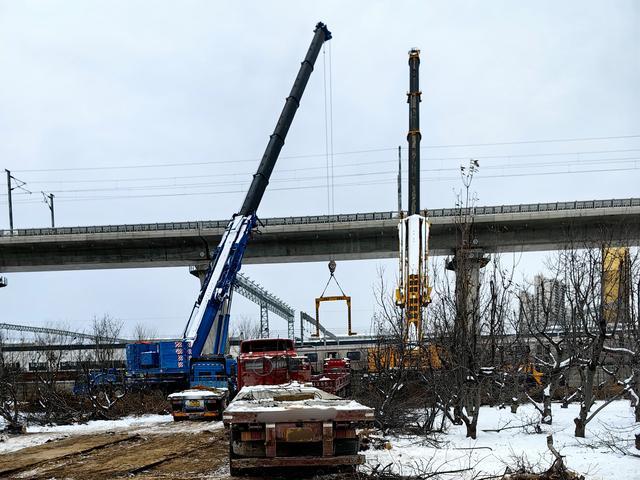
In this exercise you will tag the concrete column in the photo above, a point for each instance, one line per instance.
(199, 271)
(467, 264)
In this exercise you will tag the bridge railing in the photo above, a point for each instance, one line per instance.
(315, 219)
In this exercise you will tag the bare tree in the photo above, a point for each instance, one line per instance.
(106, 331)
(246, 327)
(595, 327)
(143, 332)
(9, 393)
(402, 371)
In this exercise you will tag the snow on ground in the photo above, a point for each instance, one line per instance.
(147, 424)
(492, 451)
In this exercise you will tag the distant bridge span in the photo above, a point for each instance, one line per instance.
(505, 228)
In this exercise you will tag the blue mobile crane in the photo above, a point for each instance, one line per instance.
(199, 359)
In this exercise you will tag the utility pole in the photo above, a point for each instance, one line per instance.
(48, 199)
(10, 204)
(399, 180)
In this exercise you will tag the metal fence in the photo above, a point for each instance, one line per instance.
(314, 219)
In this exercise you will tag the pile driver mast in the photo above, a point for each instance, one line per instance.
(413, 292)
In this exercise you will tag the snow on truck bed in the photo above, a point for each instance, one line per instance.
(198, 393)
(290, 397)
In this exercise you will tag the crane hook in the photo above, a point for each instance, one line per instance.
(332, 267)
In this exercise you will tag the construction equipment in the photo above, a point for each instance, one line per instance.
(413, 292)
(206, 332)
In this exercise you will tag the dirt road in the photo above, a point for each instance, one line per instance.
(164, 451)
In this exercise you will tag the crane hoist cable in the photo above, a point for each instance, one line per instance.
(329, 157)
(328, 129)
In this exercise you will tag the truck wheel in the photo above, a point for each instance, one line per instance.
(178, 419)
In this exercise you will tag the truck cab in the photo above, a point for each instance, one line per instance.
(213, 371)
(271, 361)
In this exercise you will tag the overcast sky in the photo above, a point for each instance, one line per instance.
(145, 111)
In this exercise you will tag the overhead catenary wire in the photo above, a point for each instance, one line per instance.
(331, 183)
(578, 154)
(323, 155)
(391, 180)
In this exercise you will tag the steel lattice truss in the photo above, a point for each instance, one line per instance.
(267, 301)
(63, 333)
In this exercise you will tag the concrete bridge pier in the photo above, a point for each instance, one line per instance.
(467, 264)
(199, 271)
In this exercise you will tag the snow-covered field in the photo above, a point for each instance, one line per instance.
(148, 424)
(492, 452)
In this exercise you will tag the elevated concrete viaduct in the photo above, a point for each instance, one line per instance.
(506, 228)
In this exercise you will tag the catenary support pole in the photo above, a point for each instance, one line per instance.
(10, 203)
(53, 218)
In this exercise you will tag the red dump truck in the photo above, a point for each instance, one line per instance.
(294, 425)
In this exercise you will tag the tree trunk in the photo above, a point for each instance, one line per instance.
(547, 417)
(457, 415)
(580, 427)
(472, 430)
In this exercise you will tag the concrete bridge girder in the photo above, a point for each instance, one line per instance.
(369, 239)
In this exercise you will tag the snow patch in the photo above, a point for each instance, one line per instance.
(493, 451)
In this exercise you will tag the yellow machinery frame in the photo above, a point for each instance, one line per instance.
(337, 298)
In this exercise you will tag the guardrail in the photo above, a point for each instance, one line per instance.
(350, 217)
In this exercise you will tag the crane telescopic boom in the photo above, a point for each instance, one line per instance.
(208, 324)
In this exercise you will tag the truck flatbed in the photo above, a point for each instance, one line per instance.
(294, 425)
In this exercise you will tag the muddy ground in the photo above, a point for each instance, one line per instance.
(133, 453)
